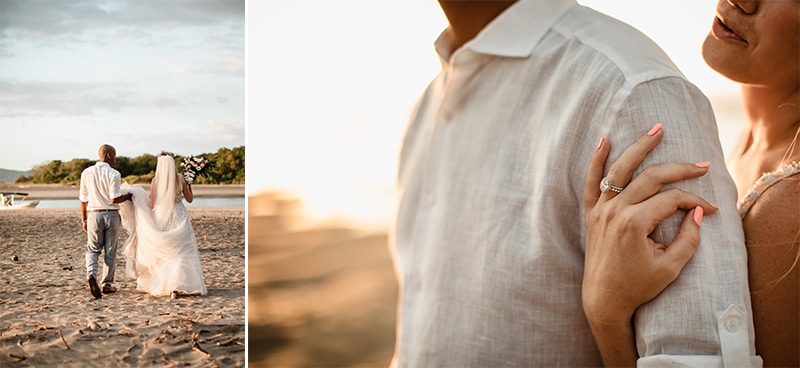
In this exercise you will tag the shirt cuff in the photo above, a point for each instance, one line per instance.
(734, 342)
(680, 361)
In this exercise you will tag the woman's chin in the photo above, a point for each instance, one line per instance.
(723, 61)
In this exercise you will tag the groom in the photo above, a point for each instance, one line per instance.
(99, 196)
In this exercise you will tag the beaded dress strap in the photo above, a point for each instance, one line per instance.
(765, 181)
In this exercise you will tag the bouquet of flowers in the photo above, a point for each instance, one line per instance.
(196, 166)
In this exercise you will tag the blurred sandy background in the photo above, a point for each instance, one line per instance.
(321, 293)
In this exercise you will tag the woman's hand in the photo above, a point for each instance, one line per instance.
(624, 268)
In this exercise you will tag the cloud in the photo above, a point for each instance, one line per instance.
(231, 64)
(64, 23)
(47, 17)
(207, 137)
(71, 98)
(177, 67)
(215, 134)
(227, 132)
(231, 40)
(157, 101)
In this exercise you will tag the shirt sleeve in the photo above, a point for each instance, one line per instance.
(83, 195)
(688, 323)
(115, 186)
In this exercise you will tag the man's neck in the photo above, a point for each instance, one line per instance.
(467, 18)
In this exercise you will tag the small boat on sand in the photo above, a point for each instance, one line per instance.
(10, 201)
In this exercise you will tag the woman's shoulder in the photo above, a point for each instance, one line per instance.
(772, 234)
(773, 221)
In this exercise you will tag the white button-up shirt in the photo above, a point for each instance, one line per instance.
(489, 236)
(99, 186)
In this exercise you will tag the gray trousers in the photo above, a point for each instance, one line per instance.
(102, 229)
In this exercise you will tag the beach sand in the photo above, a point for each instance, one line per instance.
(49, 318)
(320, 293)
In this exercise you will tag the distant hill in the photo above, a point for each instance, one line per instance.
(10, 176)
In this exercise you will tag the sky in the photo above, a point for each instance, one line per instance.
(331, 85)
(143, 76)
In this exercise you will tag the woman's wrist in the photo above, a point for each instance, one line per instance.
(606, 311)
(609, 321)
(617, 343)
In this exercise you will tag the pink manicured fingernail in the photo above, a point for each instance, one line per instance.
(698, 215)
(703, 164)
(713, 205)
(600, 144)
(654, 129)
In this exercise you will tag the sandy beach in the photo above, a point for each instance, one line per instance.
(322, 293)
(49, 318)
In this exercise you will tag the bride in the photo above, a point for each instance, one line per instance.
(161, 249)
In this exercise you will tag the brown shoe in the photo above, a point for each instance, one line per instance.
(94, 288)
(108, 289)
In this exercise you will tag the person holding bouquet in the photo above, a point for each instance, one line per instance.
(162, 249)
(195, 166)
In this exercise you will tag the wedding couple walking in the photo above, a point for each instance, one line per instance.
(161, 250)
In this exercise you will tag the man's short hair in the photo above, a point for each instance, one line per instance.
(105, 150)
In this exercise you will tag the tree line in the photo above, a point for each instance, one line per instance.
(228, 169)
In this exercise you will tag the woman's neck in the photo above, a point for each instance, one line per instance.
(773, 119)
(768, 139)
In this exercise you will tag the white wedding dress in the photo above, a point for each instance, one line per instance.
(161, 249)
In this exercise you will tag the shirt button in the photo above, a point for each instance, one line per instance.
(732, 324)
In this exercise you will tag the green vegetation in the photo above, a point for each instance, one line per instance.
(228, 169)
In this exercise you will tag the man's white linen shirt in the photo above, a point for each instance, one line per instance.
(489, 236)
(99, 186)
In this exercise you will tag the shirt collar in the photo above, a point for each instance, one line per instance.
(515, 32)
(101, 163)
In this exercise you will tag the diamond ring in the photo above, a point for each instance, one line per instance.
(605, 186)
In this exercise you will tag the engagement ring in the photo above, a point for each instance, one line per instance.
(605, 186)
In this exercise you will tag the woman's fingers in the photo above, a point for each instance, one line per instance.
(651, 212)
(678, 254)
(591, 191)
(653, 178)
(621, 171)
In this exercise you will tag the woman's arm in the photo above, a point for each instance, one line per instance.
(153, 193)
(187, 189)
(624, 268)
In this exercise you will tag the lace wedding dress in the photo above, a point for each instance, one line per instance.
(161, 249)
(763, 183)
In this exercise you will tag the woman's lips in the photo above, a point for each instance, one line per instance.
(721, 31)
